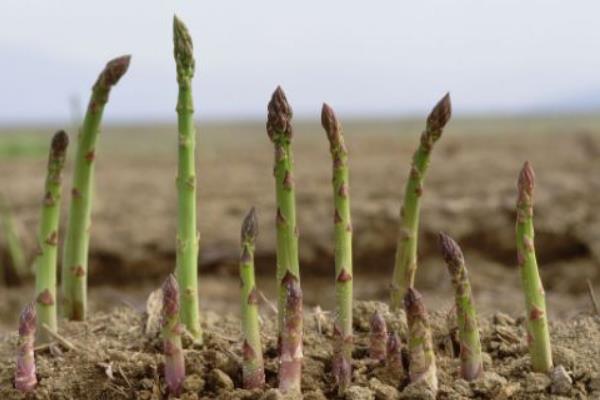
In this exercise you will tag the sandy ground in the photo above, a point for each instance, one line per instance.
(469, 193)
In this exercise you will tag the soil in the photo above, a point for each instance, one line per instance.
(117, 356)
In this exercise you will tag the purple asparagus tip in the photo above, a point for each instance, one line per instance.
(25, 378)
(113, 72)
(451, 252)
(170, 291)
(279, 116)
(60, 141)
(526, 179)
(250, 226)
(440, 115)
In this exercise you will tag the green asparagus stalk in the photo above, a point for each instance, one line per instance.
(253, 372)
(535, 301)
(279, 129)
(422, 366)
(343, 339)
(378, 337)
(45, 274)
(75, 255)
(25, 378)
(290, 357)
(408, 234)
(471, 366)
(394, 354)
(13, 241)
(171, 335)
(187, 232)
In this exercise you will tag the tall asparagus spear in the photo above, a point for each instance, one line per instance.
(25, 378)
(471, 366)
(343, 340)
(45, 274)
(408, 235)
(290, 357)
(171, 335)
(279, 129)
(420, 346)
(537, 321)
(75, 257)
(187, 233)
(253, 372)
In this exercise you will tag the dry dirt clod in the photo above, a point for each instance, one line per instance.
(536, 382)
(561, 381)
(417, 391)
(383, 391)
(358, 393)
(490, 385)
(220, 381)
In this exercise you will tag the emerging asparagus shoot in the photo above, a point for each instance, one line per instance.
(75, 257)
(171, 335)
(279, 129)
(379, 337)
(422, 366)
(538, 335)
(187, 233)
(471, 366)
(408, 234)
(290, 358)
(25, 378)
(45, 274)
(394, 353)
(342, 329)
(253, 373)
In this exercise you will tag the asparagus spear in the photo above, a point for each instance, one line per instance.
(420, 347)
(290, 358)
(45, 275)
(343, 340)
(75, 257)
(408, 235)
(253, 372)
(171, 335)
(25, 378)
(187, 233)
(279, 129)
(537, 321)
(471, 366)
(394, 353)
(379, 337)
(13, 241)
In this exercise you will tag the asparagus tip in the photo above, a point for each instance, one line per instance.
(113, 71)
(27, 320)
(170, 290)
(526, 179)
(60, 141)
(279, 115)
(377, 322)
(250, 226)
(413, 302)
(440, 115)
(329, 122)
(183, 50)
(451, 251)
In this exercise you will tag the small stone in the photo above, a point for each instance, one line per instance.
(358, 393)
(561, 381)
(417, 391)
(536, 382)
(383, 391)
(219, 380)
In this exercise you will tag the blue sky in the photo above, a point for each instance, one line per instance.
(378, 58)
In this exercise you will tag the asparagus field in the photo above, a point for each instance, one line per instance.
(385, 309)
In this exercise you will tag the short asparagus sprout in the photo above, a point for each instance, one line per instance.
(406, 250)
(279, 129)
(75, 255)
(187, 232)
(253, 373)
(290, 357)
(171, 335)
(394, 353)
(343, 338)
(378, 337)
(25, 378)
(422, 366)
(538, 335)
(471, 366)
(45, 274)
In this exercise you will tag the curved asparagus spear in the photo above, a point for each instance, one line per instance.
(253, 372)
(471, 366)
(187, 233)
(25, 378)
(75, 255)
(378, 337)
(343, 340)
(45, 274)
(408, 235)
(290, 357)
(279, 129)
(538, 336)
(420, 346)
(171, 335)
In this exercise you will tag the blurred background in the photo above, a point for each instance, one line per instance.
(524, 83)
